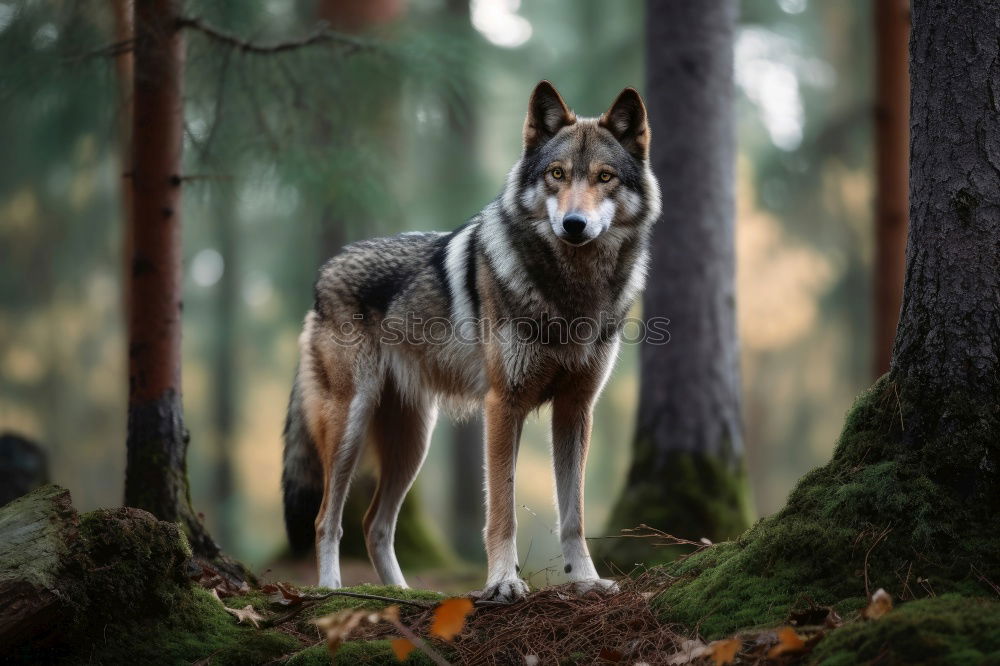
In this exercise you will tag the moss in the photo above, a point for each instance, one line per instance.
(137, 564)
(193, 627)
(903, 498)
(692, 495)
(944, 630)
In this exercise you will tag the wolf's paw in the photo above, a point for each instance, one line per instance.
(595, 586)
(506, 591)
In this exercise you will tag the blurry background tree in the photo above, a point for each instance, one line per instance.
(804, 249)
(156, 471)
(892, 172)
(687, 475)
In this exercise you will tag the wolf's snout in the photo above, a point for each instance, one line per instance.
(574, 224)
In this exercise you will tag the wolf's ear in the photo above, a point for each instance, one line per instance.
(626, 120)
(547, 114)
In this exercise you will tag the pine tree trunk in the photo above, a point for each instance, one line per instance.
(687, 475)
(156, 470)
(892, 135)
(949, 331)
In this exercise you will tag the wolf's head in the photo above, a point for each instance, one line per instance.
(584, 176)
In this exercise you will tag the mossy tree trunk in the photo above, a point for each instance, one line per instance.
(156, 471)
(687, 475)
(910, 500)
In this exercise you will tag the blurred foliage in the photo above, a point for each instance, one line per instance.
(288, 156)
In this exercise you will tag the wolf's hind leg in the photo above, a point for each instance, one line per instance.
(401, 435)
(345, 424)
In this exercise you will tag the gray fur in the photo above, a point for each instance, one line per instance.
(516, 260)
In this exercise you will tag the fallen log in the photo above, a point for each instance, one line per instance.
(62, 573)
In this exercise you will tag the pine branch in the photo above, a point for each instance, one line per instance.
(321, 36)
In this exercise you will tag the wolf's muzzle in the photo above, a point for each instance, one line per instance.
(574, 225)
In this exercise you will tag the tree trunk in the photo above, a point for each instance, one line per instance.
(226, 392)
(687, 476)
(910, 499)
(156, 470)
(949, 332)
(892, 135)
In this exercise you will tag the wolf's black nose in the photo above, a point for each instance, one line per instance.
(574, 224)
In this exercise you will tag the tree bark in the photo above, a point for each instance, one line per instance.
(892, 135)
(156, 468)
(949, 331)
(687, 475)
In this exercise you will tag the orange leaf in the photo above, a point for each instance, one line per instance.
(401, 647)
(449, 617)
(788, 641)
(724, 652)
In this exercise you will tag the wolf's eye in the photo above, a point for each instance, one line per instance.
(605, 176)
(557, 173)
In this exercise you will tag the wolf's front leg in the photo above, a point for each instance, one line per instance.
(571, 422)
(503, 434)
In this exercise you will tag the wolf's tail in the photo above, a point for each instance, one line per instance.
(301, 476)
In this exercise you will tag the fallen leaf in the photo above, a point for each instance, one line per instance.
(248, 612)
(337, 627)
(211, 579)
(449, 617)
(880, 604)
(724, 652)
(401, 647)
(788, 641)
(283, 593)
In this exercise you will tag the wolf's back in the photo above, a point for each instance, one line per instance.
(301, 476)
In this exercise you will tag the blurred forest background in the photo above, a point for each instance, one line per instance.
(410, 127)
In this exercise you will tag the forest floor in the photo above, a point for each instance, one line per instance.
(123, 587)
(556, 626)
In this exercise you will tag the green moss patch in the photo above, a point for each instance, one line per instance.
(902, 505)
(194, 627)
(693, 496)
(944, 630)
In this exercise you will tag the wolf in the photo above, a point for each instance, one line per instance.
(522, 305)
